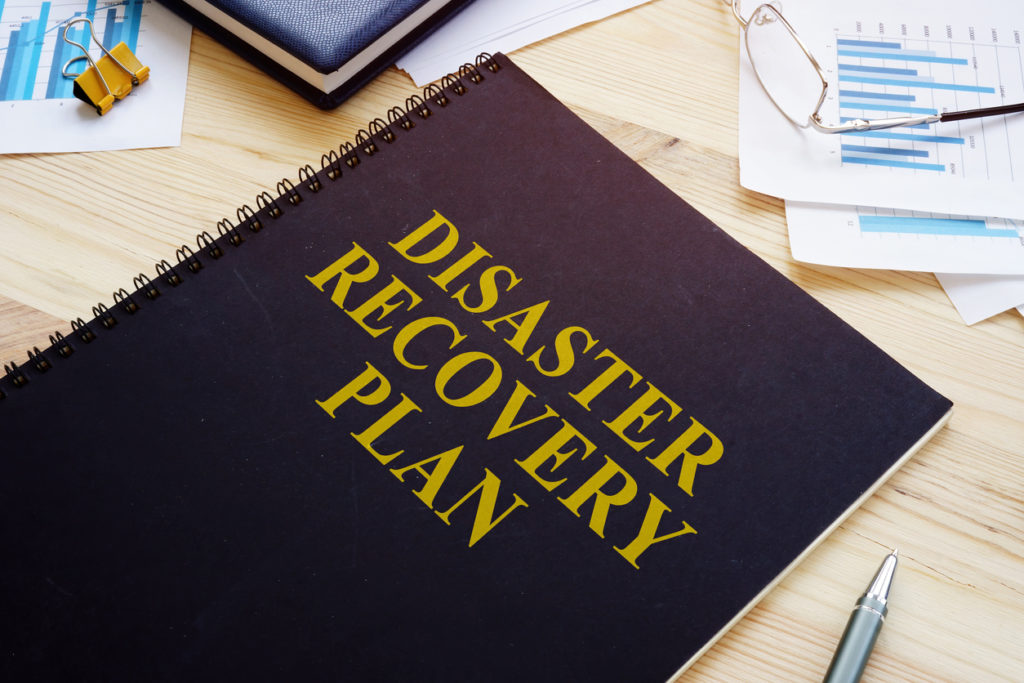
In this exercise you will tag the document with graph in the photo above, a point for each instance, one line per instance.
(862, 237)
(887, 60)
(39, 113)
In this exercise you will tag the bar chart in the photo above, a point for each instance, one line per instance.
(881, 77)
(33, 51)
(38, 113)
(871, 237)
(886, 60)
(950, 227)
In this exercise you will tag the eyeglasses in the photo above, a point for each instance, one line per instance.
(796, 83)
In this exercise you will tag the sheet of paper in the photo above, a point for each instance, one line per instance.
(38, 112)
(886, 59)
(500, 26)
(977, 297)
(859, 237)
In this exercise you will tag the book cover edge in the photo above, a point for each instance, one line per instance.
(799, 559)
(322, 98)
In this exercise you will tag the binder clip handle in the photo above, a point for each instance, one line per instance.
(108, 79)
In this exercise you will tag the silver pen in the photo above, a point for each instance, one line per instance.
(863, 627)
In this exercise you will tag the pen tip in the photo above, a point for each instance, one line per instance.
(895, 552)
(880, 585)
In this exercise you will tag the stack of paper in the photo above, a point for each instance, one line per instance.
(499, 26)
(953, 193)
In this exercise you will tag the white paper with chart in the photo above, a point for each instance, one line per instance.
(869, 237)
(38, 112)
(893, 59)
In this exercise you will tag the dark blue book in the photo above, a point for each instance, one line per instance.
(324, 50)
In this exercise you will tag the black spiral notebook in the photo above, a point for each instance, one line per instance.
(478, 399)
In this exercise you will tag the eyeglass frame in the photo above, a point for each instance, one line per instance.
(814, 119)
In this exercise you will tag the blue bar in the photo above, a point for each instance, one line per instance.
(878, 69)
(118, 32)
(905, 79)
(868, 43)
(895, 163)
(899, 54)
(8, 73)
(65, 87)
(83, 35)
(931, 226)
(37, 50)
(110, 28)
(893, 151)
(62, 52)
(58, 86)
(909, 137)
(877, 95)
(55, 81)
(16, 87)
(905, 55)
(917, 84)
(16, 84)
(133, 19)
(844, 104)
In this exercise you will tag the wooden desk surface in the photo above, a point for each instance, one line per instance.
(660, 81)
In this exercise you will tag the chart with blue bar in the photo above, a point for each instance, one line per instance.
(948, 226)
(888, 76)
(38, 112)
(33, 51)
(889, 60)
(867, 237)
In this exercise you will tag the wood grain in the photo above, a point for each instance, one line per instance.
(660, 81)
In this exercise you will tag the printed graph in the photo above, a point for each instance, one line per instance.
(883, 76)
(946, 227)
(33, 51)
(869, 237)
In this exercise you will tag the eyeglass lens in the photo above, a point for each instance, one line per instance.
(784, 69)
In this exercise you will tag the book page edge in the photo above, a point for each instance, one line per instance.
(817, 541)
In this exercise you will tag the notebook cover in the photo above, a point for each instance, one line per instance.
(323, 35)
(493, 405)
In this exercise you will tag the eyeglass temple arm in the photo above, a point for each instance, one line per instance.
(987, 111)
(899, 121)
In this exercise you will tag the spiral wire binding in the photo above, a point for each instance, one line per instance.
(332, 165)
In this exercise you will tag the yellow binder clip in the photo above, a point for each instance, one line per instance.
(109, 79)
